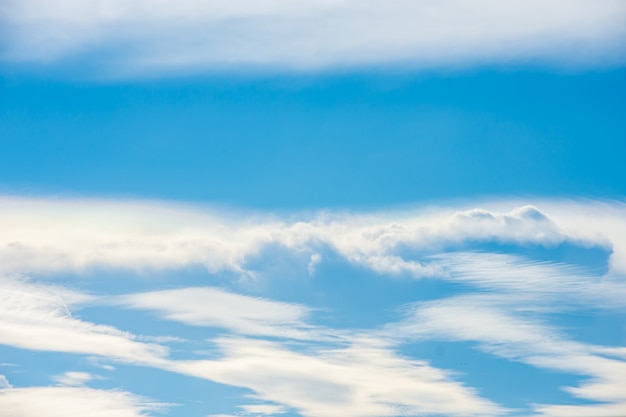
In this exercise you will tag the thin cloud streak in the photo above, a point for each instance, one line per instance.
(529, 284)
(215, 307)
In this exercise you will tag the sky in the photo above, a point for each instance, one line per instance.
(312, 208)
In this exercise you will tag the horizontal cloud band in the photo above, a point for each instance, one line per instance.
(47, 235)
(142, 36)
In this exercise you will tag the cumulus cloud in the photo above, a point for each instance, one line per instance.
(191, 35)
(72, 402)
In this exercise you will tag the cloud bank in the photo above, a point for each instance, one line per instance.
(51, 236)
(140, 36)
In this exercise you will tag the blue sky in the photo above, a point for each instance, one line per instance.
(319, 208)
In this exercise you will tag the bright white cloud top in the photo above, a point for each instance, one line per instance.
(131, 37)
(511, 285)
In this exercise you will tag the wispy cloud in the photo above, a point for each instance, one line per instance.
(4, 382)
(37, 317)
(191, 35)
(510, 318)
(73, 401)
(270, 409)
(362, 380)
(74, 379)
(215, 307)
(356, 376)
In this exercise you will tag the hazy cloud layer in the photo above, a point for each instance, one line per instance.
(138, 36)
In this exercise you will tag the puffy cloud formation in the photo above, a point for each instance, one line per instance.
(142, 36)
(46, 236)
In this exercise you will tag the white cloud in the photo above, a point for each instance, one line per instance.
(595, 221)
(362, 380)
(4, 382)
(214, 307)
(191, 35)
(41, 235)
(501, 329)
(602, 410)
(75, 379)
(316, 258)
(49, 236)
(37, 317)
(72, 402)
(359, 376)
(265, 409)
(534, 284)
